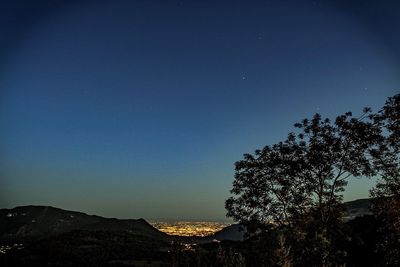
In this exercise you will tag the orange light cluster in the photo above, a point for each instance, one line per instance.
(188, 228)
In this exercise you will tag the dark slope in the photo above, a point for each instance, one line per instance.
(91, 248)
(357, 208)
(33, 222)
(235, 232)
(36, 222)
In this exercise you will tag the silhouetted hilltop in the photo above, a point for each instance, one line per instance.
(48, 236)
(234, 232)
(357, 208)
(36, 222)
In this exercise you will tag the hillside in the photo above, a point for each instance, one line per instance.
(235, 232)
(47, 236)
(357, 208)
(37, 222)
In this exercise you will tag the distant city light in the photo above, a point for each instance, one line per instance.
(187, 228)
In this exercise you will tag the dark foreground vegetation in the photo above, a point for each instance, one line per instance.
(295, 188)
(122, 248)
(288, 196)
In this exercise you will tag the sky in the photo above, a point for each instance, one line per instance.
(135, 109)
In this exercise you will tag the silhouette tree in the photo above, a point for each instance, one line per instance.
(386, 193)
(297, 184)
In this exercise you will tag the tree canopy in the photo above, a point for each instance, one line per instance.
(297, 184)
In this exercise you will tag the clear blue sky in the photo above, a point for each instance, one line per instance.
(140, 108)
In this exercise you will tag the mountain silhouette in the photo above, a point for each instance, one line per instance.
(37, 222)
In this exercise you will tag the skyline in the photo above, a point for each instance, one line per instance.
(140, 109)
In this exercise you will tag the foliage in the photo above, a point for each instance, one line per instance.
(297, 184)
(387, 190)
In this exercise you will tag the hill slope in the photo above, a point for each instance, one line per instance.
(357, 208)
(36, 222)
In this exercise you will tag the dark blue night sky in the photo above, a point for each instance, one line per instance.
(140, 108)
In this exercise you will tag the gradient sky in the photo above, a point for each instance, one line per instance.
(140, 108)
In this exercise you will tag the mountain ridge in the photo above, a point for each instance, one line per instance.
(35, 221)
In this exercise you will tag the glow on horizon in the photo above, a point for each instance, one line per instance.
(134, 109)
